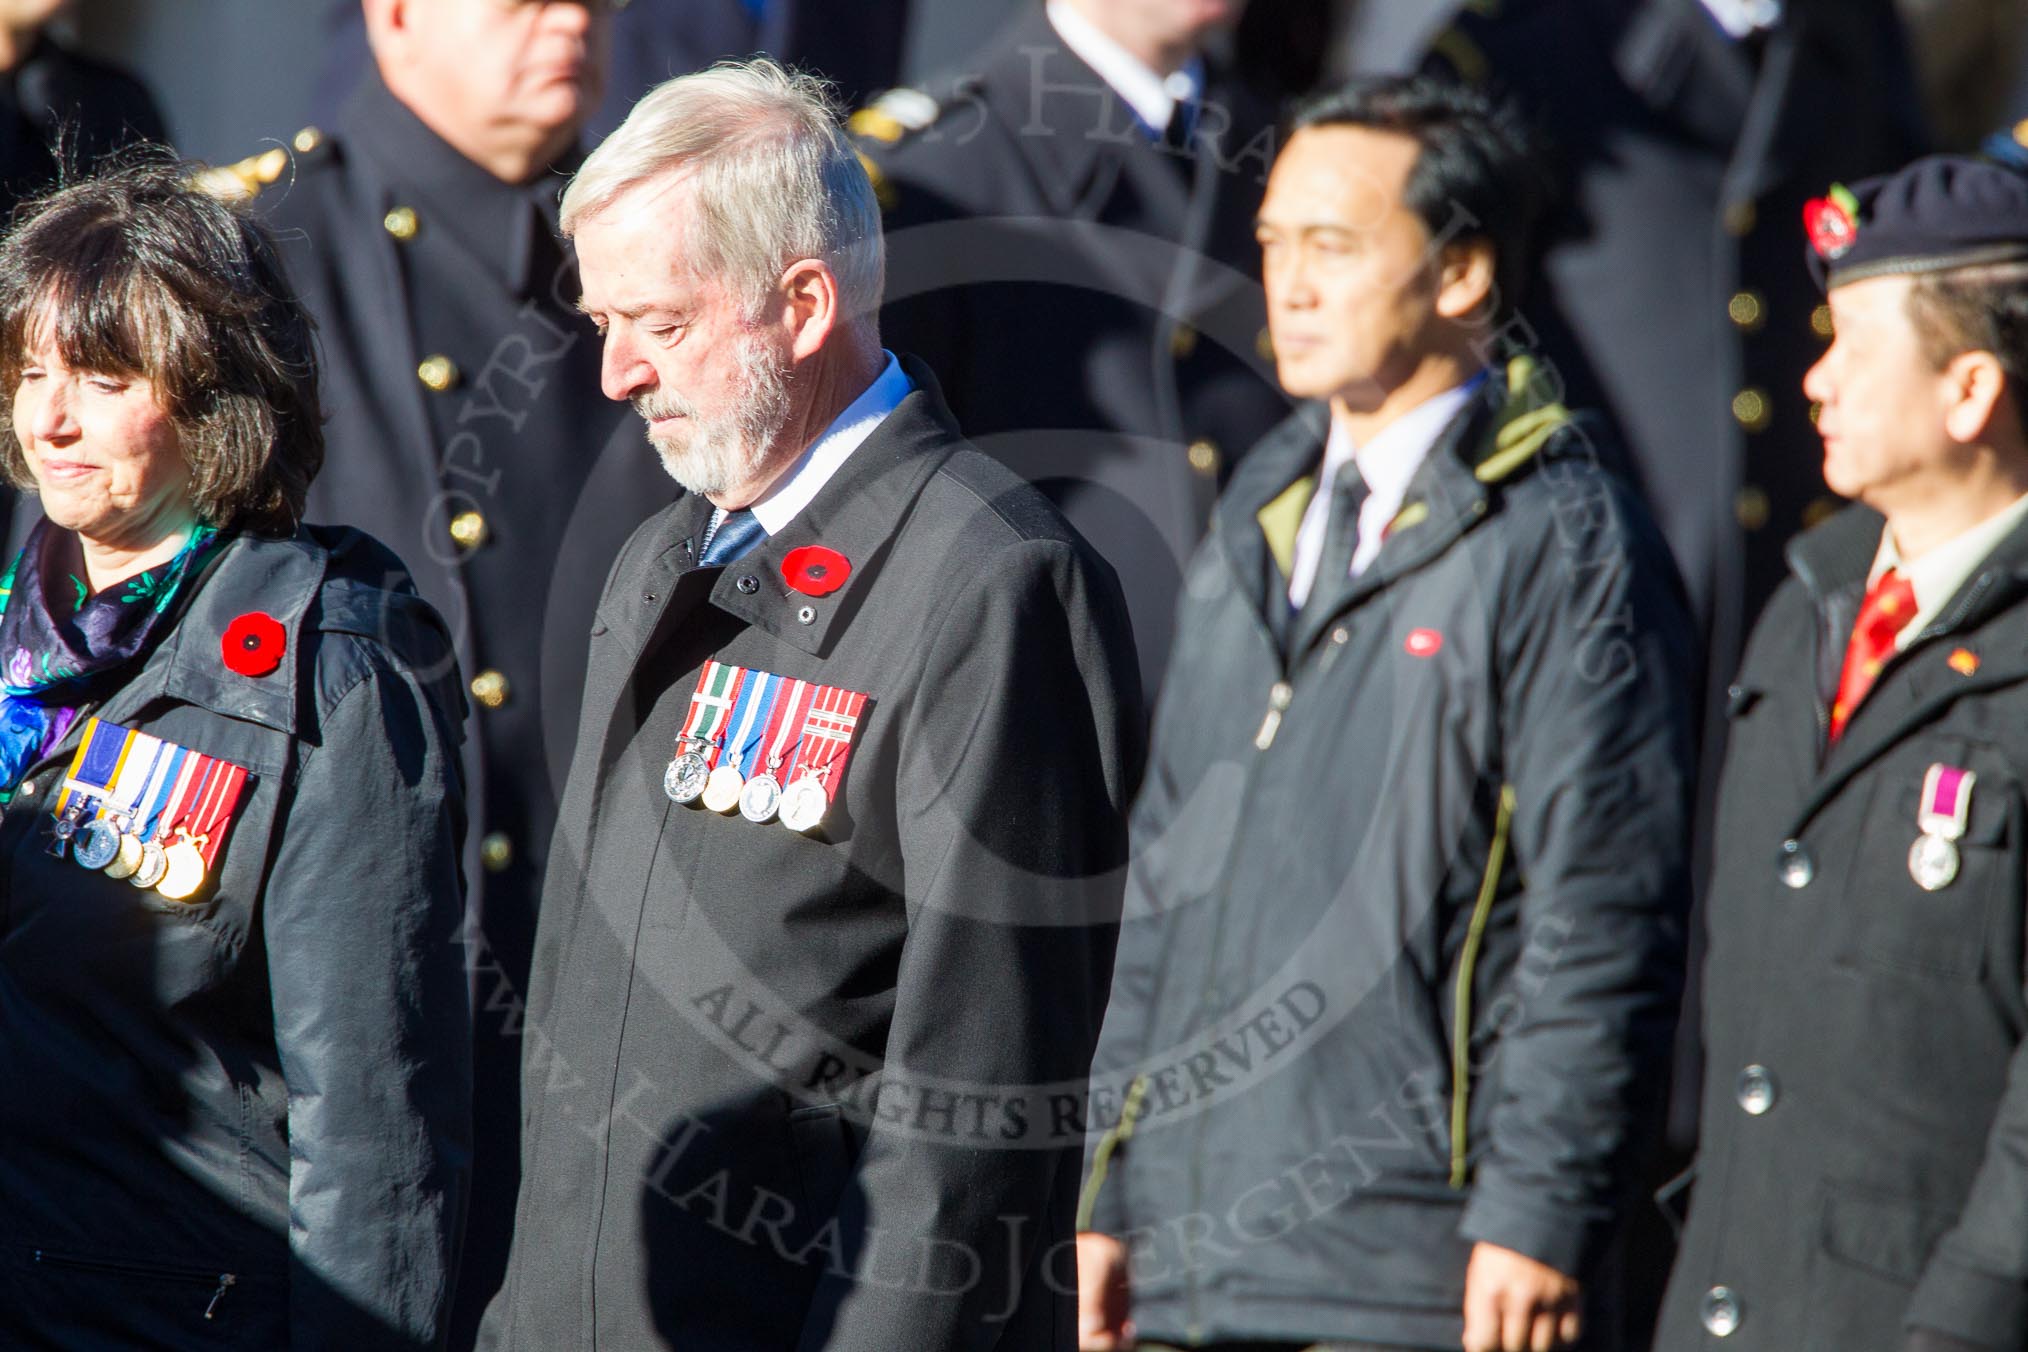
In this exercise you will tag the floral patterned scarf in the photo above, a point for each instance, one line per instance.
(56, 638)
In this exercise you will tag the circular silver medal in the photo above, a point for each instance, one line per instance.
(685, 778)
(759, 799)
(98, 844)
(1933, 862)
(154, 863)
(722, 789)
(803, 805)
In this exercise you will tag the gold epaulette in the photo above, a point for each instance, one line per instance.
(243, 180)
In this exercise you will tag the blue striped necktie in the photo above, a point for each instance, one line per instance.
(739, 532)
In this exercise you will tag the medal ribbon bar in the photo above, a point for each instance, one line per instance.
(826, 742)
(792, 708)
(1946, 801)
(710, 709)
(757, 699)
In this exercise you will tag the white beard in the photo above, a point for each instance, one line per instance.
(712, 455)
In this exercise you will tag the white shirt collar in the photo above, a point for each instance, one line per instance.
(1388, 464)
(1743, 18)
(791, 493)
(1938, 575)
(1151, 96)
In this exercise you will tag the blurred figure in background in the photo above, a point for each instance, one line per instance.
(467, 429)
(1069, 225)
(51, 96)
(1674, 297)
(858, 47)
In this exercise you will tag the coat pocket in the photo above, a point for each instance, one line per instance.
(1889, 920)
(79, 1299)
(1871, 1251)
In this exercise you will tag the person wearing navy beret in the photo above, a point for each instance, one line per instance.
(1862, 1176)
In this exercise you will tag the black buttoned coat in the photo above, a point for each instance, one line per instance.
(519, 437)
(1089, 299)
(790, 1092)
(1864, 1158)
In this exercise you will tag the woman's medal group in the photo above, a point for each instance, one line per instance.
(153, 813)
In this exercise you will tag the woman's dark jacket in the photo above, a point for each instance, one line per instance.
(243, 1120)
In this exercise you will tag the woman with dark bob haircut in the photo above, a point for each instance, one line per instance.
(233, 1025)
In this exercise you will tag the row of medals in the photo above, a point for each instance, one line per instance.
(762, 799)
(176, 871)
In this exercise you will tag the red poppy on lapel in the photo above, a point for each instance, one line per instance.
(254, 643)
(814, 570)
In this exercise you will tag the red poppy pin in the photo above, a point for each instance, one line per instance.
(254, 643)
(1423, 643)
(814, 570)
(1832, 222)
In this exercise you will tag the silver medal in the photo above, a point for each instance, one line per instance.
(154, 863)
(98, 844)
(685, 778)
(759, 799)
(803, 805)
(1933, 862)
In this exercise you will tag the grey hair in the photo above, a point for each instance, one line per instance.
(775, 179)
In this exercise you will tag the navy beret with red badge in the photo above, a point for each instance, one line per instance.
(1941, 212)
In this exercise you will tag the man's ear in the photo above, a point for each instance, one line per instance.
(387, 28)
(1976, 393)
(1464, 277)
(812, 307)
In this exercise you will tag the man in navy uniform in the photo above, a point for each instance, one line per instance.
(1069, 224)
(467, 431)
(1862, 1181)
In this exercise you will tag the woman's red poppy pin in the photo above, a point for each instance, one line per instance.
(814, 570)
(254, 643)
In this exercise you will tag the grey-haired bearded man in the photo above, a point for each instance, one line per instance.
(830, 912)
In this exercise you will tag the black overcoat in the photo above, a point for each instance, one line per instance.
(1089, 299)
(243, 1121)
(792, 1092)
(505, 479)
(1866, 1091)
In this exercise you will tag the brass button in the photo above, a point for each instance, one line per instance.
(27, 789)
(1204, 456)
(496, 852)
(1182, 342)
(1819, 511)
(438, 372)
(1264, 344)
(1751, 506)
(2021, 132)
(1740, 219)
(490, 689)
(468, 530)
(1748, 310)
(401, 223)
(307, 140)
(271, 164)
(1752, 408)
(1820, 323)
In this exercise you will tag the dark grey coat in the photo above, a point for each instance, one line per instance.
(1332, 914)
(1878, 1026)
(243, 1121)
(708, 1163)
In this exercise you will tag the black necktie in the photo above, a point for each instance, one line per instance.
(1341, 532)
(739, 532)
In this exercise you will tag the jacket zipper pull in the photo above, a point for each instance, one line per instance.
(1278, 701)
(226, 1281)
